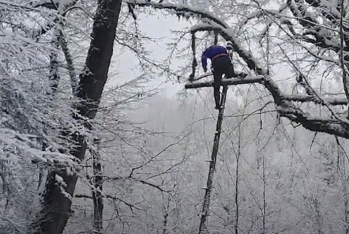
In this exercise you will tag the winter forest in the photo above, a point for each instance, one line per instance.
(101, 131)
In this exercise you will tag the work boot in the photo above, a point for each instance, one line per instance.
(218, 107)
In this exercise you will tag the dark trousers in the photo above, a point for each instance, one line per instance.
(221, 66)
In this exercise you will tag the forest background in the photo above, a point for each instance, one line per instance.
(99, 135)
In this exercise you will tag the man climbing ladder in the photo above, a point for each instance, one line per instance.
(221, 64)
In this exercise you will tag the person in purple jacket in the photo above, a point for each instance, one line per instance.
(221, 65)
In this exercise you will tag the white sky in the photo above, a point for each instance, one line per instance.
(157, 26)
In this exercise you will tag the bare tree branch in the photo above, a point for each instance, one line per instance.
(285, 107)
(131, 206)
(70, 64)
(342, 57)
(287, 97)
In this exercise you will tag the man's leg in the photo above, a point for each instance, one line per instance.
(229, 69)
(229, 72)
(216, 86)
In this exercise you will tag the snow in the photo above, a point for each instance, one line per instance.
(67, 195)
(198, 27)
(334, 41)
(232, 81)
(62, 185)
(327, 100)
(59, 179)
(331, 6)
(203, 76)
(249, 17)
(17, 145)
(64, 2)
(44, 173)
(202, 13)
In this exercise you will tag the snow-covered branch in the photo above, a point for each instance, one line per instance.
(234, 81)
(287, 97)
(324, 38)
(114, 198)
(180, 9)
(70, 62)
(337, 127)
(260, 13)
(323, 101)
(283, 102)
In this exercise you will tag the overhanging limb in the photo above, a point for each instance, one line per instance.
(233, 81)
(337, 101)
(281, 100)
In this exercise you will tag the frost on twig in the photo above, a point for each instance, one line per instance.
(283, 102)
(233, 81)
(70, 62)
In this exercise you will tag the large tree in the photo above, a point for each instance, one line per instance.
(30, 114)
(306, 38)
(60, 184)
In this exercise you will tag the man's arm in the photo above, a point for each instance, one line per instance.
(204, 60)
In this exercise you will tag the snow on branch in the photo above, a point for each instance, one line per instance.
(114, 198)
(262, 12)
(12, 141)
(287, 97)
(214, 24)
(328, 8)
(179, 8)
(70, 62)
(323, 36)
(337, 126)
(234, 81)
(323, 101)
(226, 33)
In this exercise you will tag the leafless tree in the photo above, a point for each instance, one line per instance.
(56, 204)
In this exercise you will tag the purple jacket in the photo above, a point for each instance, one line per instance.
(210, 52)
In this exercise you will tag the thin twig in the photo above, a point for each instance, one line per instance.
(344, 78)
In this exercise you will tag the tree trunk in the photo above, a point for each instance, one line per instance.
(57, 203)
(264, 195)
(346, 195)
(70, 62)
(166, 214)
(237, 179)
(53, 68)
(97, 187)
(346, 213)
(207, 198)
